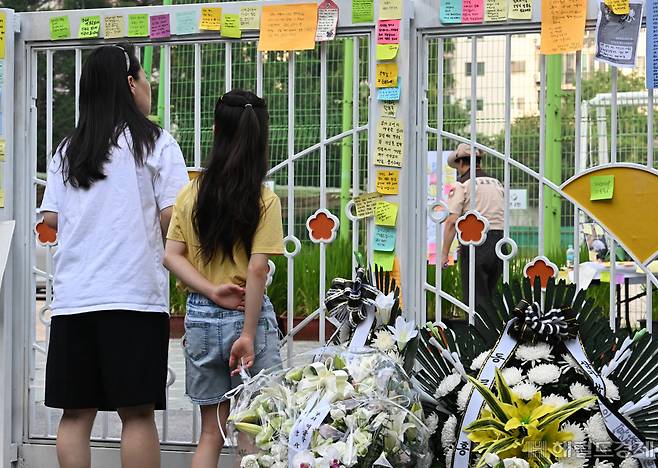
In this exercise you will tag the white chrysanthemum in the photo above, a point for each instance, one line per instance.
(570, 462)
(576, 431)
(512, 376)
(630, 463)
(449, 453)
(543, 374)
(596, 431)
(432, 422)
(478, 362)
(447, 385)
(491, 459)
(383, 341)
(515, 463)
(611, 390)
(556, 401)
(578, 390)
(603, 464)
(534, 353)
(249, 461)
(462, 396)
(525, 390)
(570, 363)
(396, 357)
(448, 433)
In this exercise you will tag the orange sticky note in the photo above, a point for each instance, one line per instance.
(288, 27)
(387, 75)
(211, 19)
(562, 26)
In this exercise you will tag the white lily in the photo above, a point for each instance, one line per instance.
(403, 332)
(383, 461)
(384, 304)
(304, 459)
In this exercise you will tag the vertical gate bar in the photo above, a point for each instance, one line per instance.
(167, 87)
(228, 67)
(259, 72)
(49, 150)
(197, 105)
(649, 287)
(577, 168)
(373, 115)
(613, 159)
(78, 72)
(421, 190)
(323, 180)
(356, 159)
(196, 430)
(438, 233)
(105, 425)
(542, 152)
(473, 171)
(291, 197)
(508, 143)
(138, 53)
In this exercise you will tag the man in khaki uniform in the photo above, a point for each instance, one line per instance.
(489, 202)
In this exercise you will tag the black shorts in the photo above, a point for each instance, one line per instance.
(107, 360)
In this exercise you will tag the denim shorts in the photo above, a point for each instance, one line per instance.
(210, 331)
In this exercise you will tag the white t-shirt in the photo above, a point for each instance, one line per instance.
(110, 251)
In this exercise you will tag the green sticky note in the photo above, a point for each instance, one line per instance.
(363, 11)
(60, 27)
(231, 26)
(90, 27)
(138, 25)
(602, 187)
(384, 259)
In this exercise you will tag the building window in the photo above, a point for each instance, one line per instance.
(480, 104)
(480, 68)
(518, 66)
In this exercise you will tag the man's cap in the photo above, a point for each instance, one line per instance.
(463, 151)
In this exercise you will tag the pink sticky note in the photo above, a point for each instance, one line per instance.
(472, 11)
(388, 31)
(160, 26)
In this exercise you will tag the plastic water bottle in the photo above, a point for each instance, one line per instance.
(570, 256)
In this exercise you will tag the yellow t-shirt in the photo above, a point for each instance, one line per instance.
(268, 238)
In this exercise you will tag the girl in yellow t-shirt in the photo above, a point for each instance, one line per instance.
(224, 226)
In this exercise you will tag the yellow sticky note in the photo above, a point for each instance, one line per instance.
(3, 151)
(385, 260)
(390, 9)
(387, 75)
(495, 10)
(389, 109)
(114, 27)
(249, 18)
(387, 51)
(288, 27)
(2, 198)
(389, 144)
(619, 7)
(386, 213)
(602, 187)
(3, 32)
(231, 26)
(90, 27)
(211, 19)
(365, 204)
(388, 182)
(562, 26)
(520, 9)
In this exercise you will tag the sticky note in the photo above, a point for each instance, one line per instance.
(520, 9)
(386, 213)
(365, 204)
(138, 25)
(3, 32)
(389, 143)
(387, 75)
(387, 51)
(327, 21)
(211, 19)
(472, 11)
(2, 198)
(160, 26)
(390, 9)
(249, 18)
(60, 28)
(619, 7)
(384, 259)
(388, 182)
(450, 11)
(388, 32)
(186, 23)
(363, 11)
(3, 150)
(495, 10)
(602, 187)
(389, 94)
(389, 109)
(114, 27)
(562, 26)
(288, 27)
(384, 238)
(90, 27)
(231, 26)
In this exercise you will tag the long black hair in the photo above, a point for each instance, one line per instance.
(228, 205)
(107, 108)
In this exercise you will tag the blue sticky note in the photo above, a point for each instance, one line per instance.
(451, 11)
(187, 22)
(390, 94)
(385, 238)
(652, 44)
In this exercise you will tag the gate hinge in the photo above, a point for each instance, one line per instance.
(17, 24)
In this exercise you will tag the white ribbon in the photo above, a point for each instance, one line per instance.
(363, 329)
(309, 421)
